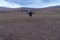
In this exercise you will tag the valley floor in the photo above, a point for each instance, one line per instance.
(43, 26)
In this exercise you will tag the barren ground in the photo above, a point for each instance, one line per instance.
(43, 26)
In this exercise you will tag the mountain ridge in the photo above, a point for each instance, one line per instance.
(23, 9)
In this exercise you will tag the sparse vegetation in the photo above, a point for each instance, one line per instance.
(43, 26)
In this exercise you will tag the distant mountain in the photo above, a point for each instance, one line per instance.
(47, 9)
(54, 6)
(24, 9)
(51, 9)
(4, 9)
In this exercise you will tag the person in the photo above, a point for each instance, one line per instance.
(30, 14)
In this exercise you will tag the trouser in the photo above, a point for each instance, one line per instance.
(29, 17)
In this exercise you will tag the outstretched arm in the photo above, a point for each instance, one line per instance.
(33, 12)
(27, 12)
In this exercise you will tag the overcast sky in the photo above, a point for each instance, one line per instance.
(28, 3)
